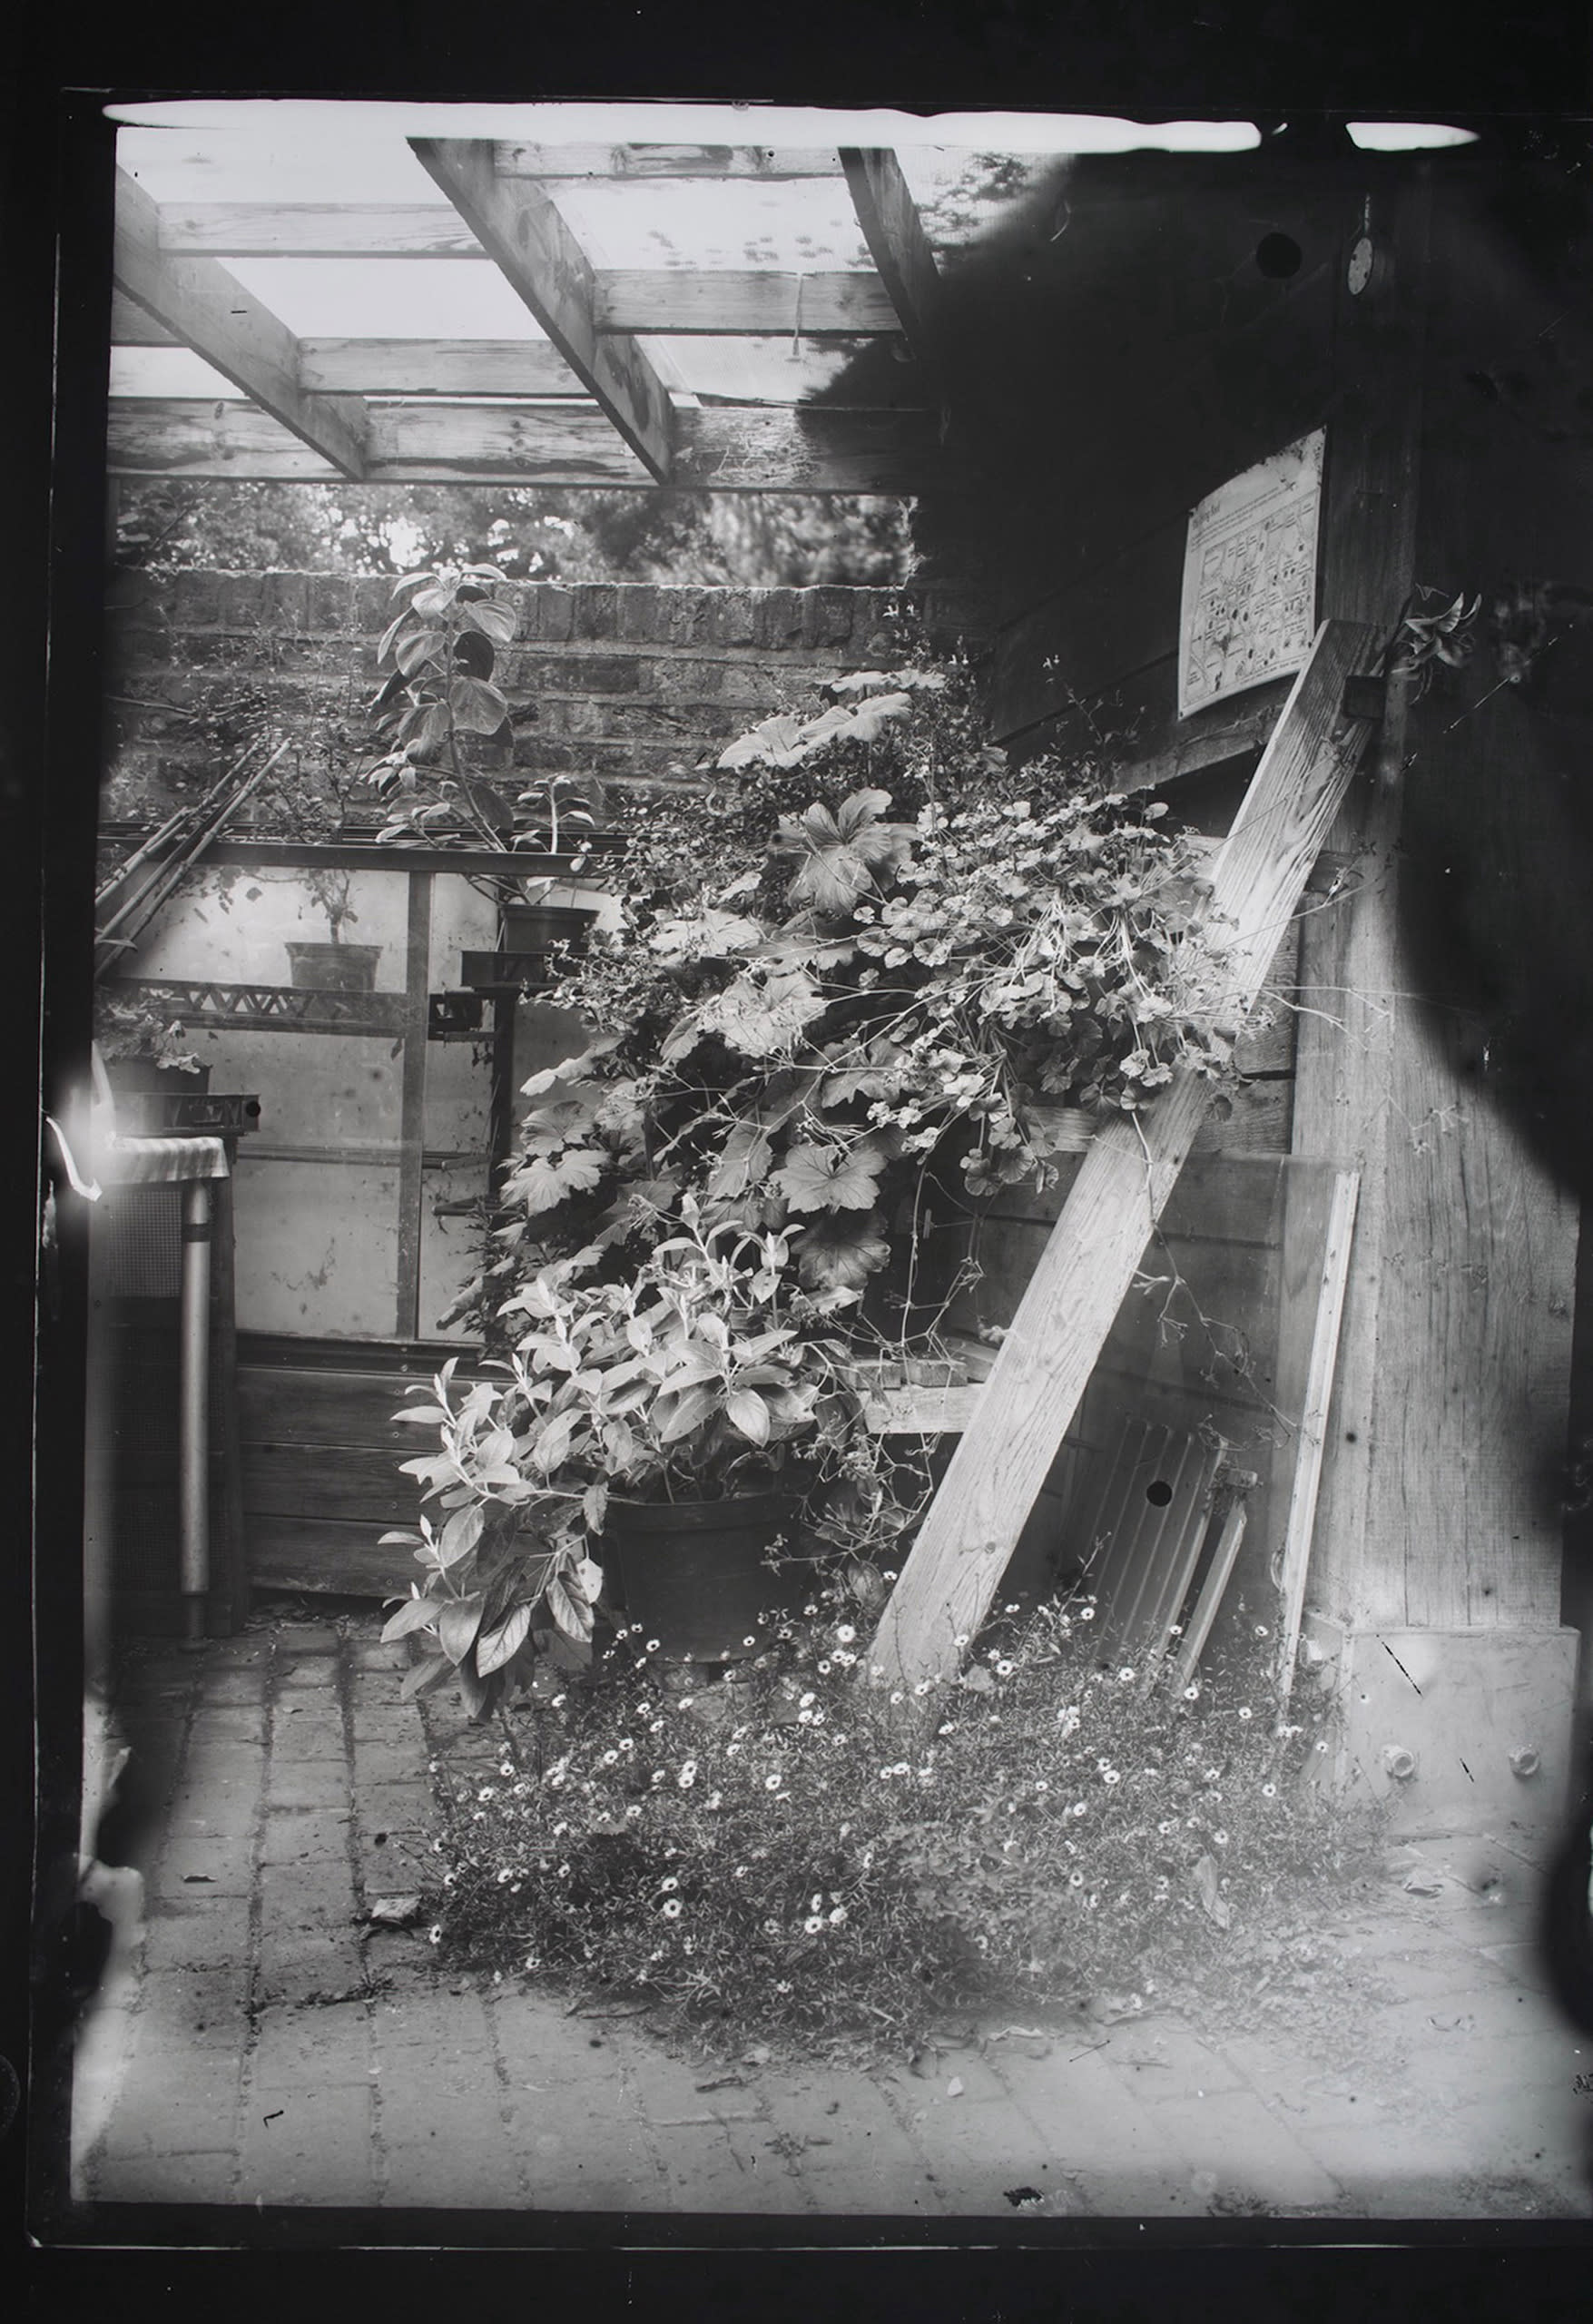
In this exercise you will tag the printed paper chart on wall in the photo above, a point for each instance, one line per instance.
(1249, 608)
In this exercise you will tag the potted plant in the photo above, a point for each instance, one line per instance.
(447, 777)
(142, 1045)
(873, 950)
(333, 966)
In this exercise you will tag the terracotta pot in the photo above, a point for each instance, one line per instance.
(334, 968)
(692, 1572)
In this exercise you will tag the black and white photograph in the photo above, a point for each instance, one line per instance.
(825, 1182)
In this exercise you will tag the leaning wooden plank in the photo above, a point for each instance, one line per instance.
(1319, 1389)
(434, 441)
(898, 245)
(1204, 1614)
(210, 311)
(1056, 1338)
(131, 327)
(738, 303)
(521, 229)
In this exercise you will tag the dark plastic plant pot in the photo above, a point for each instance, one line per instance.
(142, 1076)
(691, 1574)
(333, 968)
(539, 928)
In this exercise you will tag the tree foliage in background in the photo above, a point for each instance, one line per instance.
(753, 540)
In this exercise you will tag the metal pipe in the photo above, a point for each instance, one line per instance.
(193, 1392)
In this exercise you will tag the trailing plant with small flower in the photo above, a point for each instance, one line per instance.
(776, 1859)
(873, 947)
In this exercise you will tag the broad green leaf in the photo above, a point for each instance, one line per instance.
(420, 646)
(458, 1623)
(594, 1506)
(460, 1534)
(572, 1614)
(414, 1614)
(746, 1411)
(494, 620)
(831, 1178)
(587, 1577)
(425, 1676)
(693, 1406)
(499, 1646)
(777, 741)
(478, 708)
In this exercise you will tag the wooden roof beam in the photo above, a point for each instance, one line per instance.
(898, 247)
(439, 367)
(208, 311)
(520, 229)
(767, 162)
(735, 302)
(804, 448)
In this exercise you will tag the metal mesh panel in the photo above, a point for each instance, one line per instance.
(139, 1244)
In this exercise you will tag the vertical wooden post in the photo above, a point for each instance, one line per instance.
(1073, 1298)
(412, 1126)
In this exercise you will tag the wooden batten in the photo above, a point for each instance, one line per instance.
(767, 163)
(433, 441)
(437, 366)
(520, 228)
(210, 311)
(738, 302)
(1063, 1321)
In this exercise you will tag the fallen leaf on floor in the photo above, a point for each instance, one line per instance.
(722, 2081)
(953, 2087)
(394, 1912)
(1424, 1884)
(1024, 2198)
(758, 2055)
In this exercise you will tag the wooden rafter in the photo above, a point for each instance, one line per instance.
(898, 245)
(767, 448)
(1044, 1362)
(521, 229)
(210, 311)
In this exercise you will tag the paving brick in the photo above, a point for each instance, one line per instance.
(370, 1656)
(211, 1934)
(309, 1674)
(166, 2179)
(240, 1683)
(221, 1863)
(309, 2145)
(1301, 2092)
(450, 2028)
(189, 2008)
(377, 1765)
(229, 1723)
(292, 1834)
(175, 2099)
(442, 2132)
(306, 1891)
(972, 2152)
(1166, 2060)
(313, 1735)
(330, 2046)
(308, 1783)
(1085, 2116)
(853, 2153)
(387, 1726)
(406, 1807)
(307, 1638)
(1232, 2135)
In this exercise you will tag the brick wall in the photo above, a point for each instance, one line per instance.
(628, 681)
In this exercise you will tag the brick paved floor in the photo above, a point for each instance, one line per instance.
(270, 2046)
